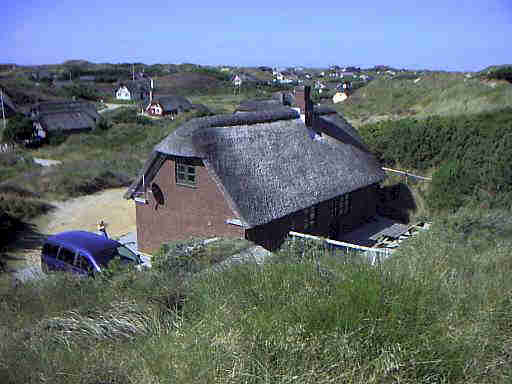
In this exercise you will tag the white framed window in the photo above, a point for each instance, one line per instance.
(185, 173)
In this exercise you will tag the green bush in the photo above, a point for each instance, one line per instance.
(83, 91)
(19, 128)
(473, 153)
(103, 124)
(503, 73)
(125, 115)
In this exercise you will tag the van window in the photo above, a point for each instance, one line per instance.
(66, 256)
(50, 250)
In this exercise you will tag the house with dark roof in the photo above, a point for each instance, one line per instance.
(259, 105)
(134, 90)
(63, 117)
(168, 106)
(256, 175)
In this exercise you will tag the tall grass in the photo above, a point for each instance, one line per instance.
(439, 310)
(434, 94)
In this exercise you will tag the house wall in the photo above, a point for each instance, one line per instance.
(363, 206)
(123, 94)
(186, 211)
(155, 109)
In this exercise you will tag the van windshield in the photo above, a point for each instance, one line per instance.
(123, 252)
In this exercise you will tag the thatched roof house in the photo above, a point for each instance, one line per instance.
(63, 116)
(64, 106)
(256, 175)
(133, 90)
(168, 105)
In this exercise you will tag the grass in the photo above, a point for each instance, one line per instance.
(435, 94)
(415, 318)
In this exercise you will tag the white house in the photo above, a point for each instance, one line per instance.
(123, 93)
(134, 90)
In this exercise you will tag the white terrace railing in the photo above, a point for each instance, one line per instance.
(375, 255)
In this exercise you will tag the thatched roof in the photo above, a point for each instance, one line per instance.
(173, 103)
(201, 108)
(136, 88)
(267, 163)
(65, 106)
(66, 121)
(259, 105)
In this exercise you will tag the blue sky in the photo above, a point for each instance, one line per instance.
(447, 35)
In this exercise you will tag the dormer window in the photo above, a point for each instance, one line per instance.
(185, 173)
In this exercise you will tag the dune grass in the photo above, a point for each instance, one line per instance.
(439, 310)
(434, 94)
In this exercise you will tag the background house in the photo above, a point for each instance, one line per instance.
(63, 117)
(256, 175)
(168, 105)
(133, 90)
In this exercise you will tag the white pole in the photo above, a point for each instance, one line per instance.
(133, 73)
(3, 111)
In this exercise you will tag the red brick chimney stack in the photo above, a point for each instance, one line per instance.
(303, 101)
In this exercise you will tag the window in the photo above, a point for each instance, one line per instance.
(340, 205)
(310, 217)
(66, 256)
(185, 173)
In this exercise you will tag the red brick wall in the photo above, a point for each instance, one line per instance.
(186, 212)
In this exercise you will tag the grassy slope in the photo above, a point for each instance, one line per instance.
(434, 94)
(416, 318)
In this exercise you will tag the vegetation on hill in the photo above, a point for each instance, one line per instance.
(471, 154)
(305, 317)
(433, 94)
(501, 73)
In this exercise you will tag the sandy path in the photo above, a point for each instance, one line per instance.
(86, 211)
(79, 213)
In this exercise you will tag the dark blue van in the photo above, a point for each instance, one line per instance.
(83, 253)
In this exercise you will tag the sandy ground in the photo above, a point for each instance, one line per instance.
(85, 212)
(80, 213)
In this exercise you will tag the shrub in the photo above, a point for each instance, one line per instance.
(125, 115)
(503, 73)
(83, 92)
(473, 153)
(103, 124)
(19, 128)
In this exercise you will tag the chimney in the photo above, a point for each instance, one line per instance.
(303, 101)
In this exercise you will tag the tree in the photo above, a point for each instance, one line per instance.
(19, 128)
